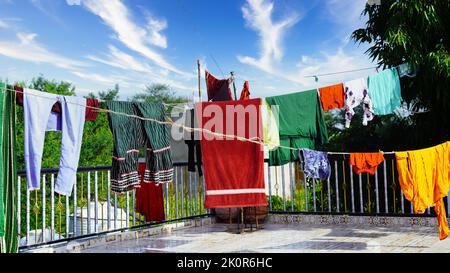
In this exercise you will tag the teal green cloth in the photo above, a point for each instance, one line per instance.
(385, 91)
(2, 209)
(8, 173)
(301, 125)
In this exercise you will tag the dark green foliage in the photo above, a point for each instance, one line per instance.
(158, 93)
(414, 31)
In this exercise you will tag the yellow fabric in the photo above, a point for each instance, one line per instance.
(270, 125)
(424, 177)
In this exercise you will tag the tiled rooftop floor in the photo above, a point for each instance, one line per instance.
(279, 238)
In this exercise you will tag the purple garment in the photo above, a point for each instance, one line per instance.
(315, 164)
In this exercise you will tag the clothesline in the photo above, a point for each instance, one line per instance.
(170, 122)
(342, 72)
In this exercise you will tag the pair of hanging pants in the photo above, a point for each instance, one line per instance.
(38, 119)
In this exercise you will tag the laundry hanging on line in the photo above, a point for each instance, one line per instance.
(149, 199)
(218, 90)
(424, 177)
(192, 140)
(8, 173)
(356, 93)
(91, 113)
(301, 125)
(130, 135)
(245, 94)
(38, 119)
(332, 97)
(315, 164)
(270, 125)
(233, 169)
(365, 162)
(385, 91)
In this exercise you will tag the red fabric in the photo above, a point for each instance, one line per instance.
(245, 94)
(366, 162)
(91, 114)
(332, 96)
(218, 90)
(149, 199)
(19, 100)
(231, 164)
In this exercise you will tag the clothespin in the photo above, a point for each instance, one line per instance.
(381, 152)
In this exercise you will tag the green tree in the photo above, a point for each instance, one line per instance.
(97, 146)
(159, 93)
(417, 32)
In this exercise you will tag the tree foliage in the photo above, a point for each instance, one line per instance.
(154, 93)
(417, 32)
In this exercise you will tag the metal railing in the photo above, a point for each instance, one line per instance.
(345, 192)
(46, 217)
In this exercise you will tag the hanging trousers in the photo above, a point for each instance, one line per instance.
(194, 148)
(38, 119)
(132, 134)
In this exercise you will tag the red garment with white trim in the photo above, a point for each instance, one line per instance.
(233, 169)
(149, 199)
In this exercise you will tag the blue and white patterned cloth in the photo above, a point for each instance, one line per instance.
(315, 164)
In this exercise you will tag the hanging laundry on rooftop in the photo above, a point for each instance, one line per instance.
(192, 140)
(269, 119)
(218, 90)
(245, 94)
(301, 125)
(315, 164)
(356, 93)
(38, 119)
(9, 213)
(332, 97)
(424, 177)
(132, 134)
(365, 162)
(91, 114)
(385, 91)
(149, 199)
(233, 169)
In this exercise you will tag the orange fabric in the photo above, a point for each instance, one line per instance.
(332, 97)
(424, 177)
(366, 162)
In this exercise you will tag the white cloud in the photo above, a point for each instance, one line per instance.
(346, 15)
(155, 27)
(258, 16)
(48, 8)
(3, 24)
(106, 80)
(330, 63)
(119, 59)
(73, 2)
(117, 16)
(27, 49)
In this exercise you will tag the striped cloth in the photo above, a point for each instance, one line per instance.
(9, 241)
(130, 136)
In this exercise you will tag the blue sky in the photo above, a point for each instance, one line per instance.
(97, 43)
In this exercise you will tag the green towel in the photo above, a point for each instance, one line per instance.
(301, 125)
(2, 209)
(8, 172)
